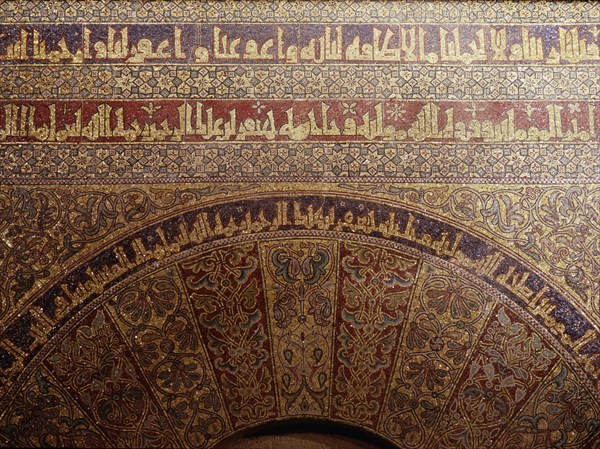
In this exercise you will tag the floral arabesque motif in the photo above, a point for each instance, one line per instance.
(555, 226)
(225, 296)
(442, 330)
(509, 364)
(167, 345)
(376, 286)
(31, 229)
(301, 289)
(43, 415)
(560, 414)
(45, 229)
(96, 363)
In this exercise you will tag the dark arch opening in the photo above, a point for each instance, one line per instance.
(304, 432)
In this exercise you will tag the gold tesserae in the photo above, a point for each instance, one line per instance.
(314, 224)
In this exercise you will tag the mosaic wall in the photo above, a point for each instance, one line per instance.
(219, 215)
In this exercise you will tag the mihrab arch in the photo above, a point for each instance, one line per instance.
(251, 309)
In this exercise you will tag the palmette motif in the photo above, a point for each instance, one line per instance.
(301, 291)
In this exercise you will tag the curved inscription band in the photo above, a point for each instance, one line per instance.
(28, 333)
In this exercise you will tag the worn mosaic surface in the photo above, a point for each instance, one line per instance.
(216, 215)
